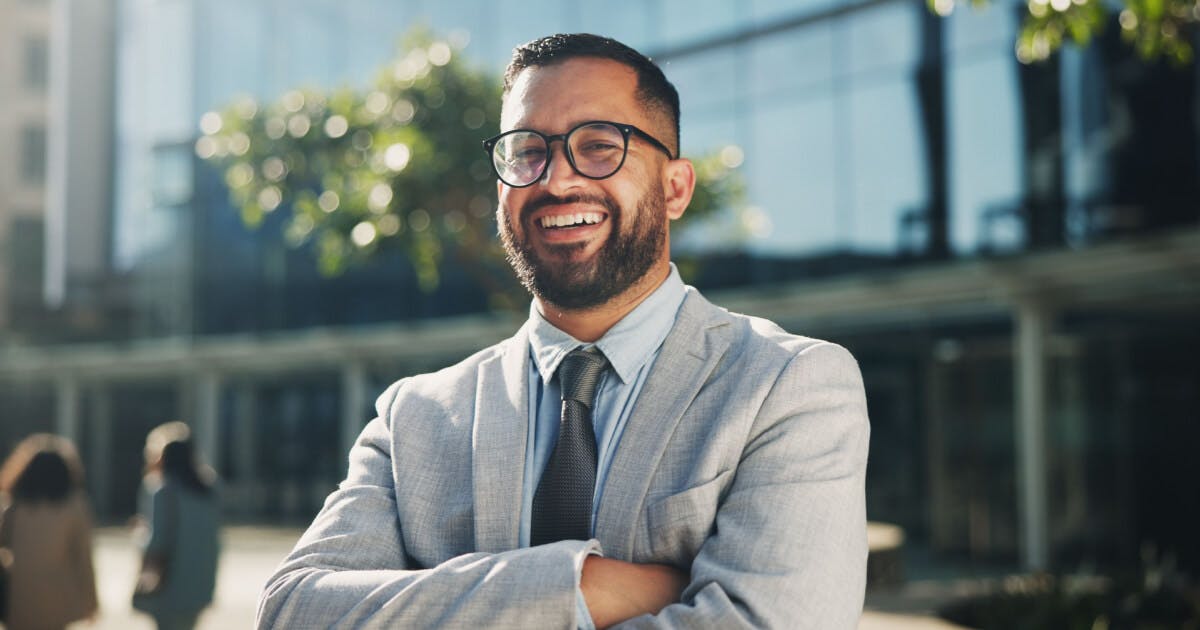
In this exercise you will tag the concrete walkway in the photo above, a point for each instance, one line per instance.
(249, 555)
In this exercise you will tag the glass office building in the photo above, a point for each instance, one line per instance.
(1011, 252)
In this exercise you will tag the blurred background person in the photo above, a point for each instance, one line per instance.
(178, 530)
(47, 526)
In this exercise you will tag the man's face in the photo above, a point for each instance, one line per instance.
(616, 227)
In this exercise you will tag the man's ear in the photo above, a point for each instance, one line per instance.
(679, 182)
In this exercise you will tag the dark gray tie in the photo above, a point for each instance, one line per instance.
(562, 505)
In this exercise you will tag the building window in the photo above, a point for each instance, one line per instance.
(172, 184)
(33, 154)
(26, 240)
(37, 63)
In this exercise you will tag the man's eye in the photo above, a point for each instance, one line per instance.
(599, 147)
(528, 155)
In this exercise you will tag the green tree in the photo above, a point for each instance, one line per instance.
(1155, 28)
(397, 165)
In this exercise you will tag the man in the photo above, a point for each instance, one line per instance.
(633, 454)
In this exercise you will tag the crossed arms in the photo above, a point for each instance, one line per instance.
(787, 546)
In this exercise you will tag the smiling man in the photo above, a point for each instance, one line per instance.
(633, 454)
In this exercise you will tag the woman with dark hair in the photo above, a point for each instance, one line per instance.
(47, 526)
(180, 538)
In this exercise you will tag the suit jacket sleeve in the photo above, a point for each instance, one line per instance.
(351, 568)
(788, 548)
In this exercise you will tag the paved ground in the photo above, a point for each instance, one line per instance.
(250, 554)
(248, 557)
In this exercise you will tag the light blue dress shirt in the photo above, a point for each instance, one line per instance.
(631, 347)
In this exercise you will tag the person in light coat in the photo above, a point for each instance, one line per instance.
(47, 527)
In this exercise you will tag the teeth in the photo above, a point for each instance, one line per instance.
(565, 220)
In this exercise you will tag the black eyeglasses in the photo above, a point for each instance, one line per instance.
(595, 149)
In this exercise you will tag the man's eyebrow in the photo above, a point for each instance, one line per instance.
(569, 126)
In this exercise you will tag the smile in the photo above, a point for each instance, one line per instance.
(570, 220)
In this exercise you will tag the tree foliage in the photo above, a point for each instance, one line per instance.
(397, 165)
(1155, 28)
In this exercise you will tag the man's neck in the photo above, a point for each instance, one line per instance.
(590, 324)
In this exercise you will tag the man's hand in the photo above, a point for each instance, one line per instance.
(616, 591)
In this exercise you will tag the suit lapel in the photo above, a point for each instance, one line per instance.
(498, 445)
(688, 355)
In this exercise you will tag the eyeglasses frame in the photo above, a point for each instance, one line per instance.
(626, 130)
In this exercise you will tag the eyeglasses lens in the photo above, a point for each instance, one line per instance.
(596, 149)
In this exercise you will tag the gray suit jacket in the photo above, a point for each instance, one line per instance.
(743, 461)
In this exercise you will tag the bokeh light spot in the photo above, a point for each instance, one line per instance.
(418, 220)
(211, 123)
(389, 225)
(1129, 20)
(363, 234)
(439, 53)
(379, 197)
(732, 156)
(275, 128)
(293, 101)
(299, 125)
(362, 140)
(473, 118)
(239, 143)
(336, 126)
(455, 221)
(239, 175)
(396, 157)
(269, 198)
(377, 103)
(459, 38)
(328, 201)
(403, 111)
(274, 169)
(206, 147)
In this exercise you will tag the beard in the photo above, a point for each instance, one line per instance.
(625, 257)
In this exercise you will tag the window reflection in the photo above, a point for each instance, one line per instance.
(33, 154)
(888, 172)
(984, 145)
(793, 157)
(37, 62)
(690, 20)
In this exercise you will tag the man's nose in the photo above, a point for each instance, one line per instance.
(559, 175)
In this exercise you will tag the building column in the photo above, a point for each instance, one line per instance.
(354, 403)
(66, 407)
(1033, 319)
(939, 489)
(206, 424)
(244, 436)
(100, 449)
(242, 486)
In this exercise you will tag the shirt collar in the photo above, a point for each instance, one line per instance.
(628, 345)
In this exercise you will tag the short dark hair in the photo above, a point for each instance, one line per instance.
(653, 88)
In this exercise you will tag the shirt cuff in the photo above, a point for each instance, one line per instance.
(583, 617)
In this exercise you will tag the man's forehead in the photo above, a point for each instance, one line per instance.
(579, 89)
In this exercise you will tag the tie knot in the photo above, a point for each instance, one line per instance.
(579, 373)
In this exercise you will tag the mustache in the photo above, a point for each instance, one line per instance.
(547, 199)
